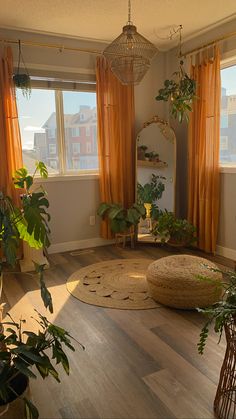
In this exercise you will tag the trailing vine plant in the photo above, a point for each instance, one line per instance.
(180, 91)
(22, 79)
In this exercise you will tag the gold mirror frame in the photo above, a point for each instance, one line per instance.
(169, 135)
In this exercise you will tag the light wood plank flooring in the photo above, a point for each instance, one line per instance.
(137, 364)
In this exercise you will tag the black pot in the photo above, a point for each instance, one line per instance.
(13, 408)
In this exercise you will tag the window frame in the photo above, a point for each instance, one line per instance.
(228, 61)
(59, 88)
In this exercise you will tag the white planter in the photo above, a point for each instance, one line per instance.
(32, 255)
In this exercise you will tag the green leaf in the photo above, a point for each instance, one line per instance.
(31, 412)
(22, 367)
(42, 168)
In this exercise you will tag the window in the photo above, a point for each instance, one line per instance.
(52, 148)
(228, 117)
(49, 135)
(76, 148)
(88, 147)
(76, 104)
(76, 132)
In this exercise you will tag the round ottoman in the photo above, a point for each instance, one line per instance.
(173, 281)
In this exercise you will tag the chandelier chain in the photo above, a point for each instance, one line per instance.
(129, 12)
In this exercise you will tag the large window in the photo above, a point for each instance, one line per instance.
(228, 117)
(54, 128)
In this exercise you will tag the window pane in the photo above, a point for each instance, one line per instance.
(228, 116)
(80, 122)
(37, 118)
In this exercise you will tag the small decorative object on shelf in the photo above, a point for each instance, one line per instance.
(223, 316)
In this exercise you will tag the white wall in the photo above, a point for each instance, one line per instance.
(227, 222)
(72, 202)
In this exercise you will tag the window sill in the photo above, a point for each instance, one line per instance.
(227, 169)
(66, 178)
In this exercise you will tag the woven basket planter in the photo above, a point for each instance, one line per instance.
(225, 400)
(173, 281)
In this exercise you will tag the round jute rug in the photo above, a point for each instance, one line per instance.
(119, 283)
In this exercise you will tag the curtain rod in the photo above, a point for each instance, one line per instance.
(45, 45)
(222, 38)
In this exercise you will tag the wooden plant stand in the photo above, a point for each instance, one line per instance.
(122, 237)
(225, 399)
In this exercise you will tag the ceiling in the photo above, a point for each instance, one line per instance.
(103, 19)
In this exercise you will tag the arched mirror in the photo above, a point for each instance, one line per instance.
(155, 172)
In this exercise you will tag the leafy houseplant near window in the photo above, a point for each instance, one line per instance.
(18, 356)
(180, 91)
(176, 232)
(120, 218)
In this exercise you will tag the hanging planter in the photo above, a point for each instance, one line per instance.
(22, 79)
(180, 91)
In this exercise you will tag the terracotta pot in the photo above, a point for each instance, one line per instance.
(15, 409)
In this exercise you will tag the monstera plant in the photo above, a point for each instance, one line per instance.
(23, 353)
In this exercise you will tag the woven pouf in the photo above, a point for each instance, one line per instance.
(173, 281)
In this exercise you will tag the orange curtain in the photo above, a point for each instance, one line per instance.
(116, 141)
(10, 140)
(204, 144)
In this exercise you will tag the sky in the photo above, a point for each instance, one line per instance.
(34, 112)
(228, 80)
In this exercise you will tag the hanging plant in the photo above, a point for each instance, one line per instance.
(180, 91)
(22, 80)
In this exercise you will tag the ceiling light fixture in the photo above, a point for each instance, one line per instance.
(130, 54)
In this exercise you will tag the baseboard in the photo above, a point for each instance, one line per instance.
(78, 244)
(226, 252)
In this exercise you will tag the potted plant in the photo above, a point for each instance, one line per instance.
(21, 79)
(22, 350)
(180, 91)
(222, 316)
(23, 353)
(149, 193)
(141, 152)
(29, 223)
(147, 156)
(121, 219)
(177, 232)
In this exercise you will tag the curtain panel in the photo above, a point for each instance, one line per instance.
(116, 141)
(10, 140)
(203, 149)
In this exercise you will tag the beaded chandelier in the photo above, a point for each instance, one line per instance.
(130, 54)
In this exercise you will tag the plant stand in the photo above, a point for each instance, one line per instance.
(126, 235)
(32, 255)
(225, 399)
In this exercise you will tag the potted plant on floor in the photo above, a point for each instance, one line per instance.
(222, 316)
(23, 353)
(121, 219)
(175, 231)
(150, 192)
(21, 350)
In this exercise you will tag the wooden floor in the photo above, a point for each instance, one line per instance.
(137, 364)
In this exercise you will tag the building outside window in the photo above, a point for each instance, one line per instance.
(88, 131)
(76, 148)
(52, 148)
(41, 119)
(228, 117)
